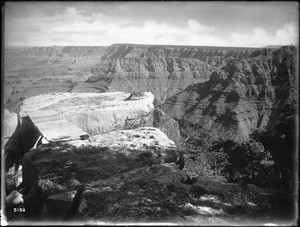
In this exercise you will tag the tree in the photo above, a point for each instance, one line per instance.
(244, 161)
(281, 144)
(257, 157)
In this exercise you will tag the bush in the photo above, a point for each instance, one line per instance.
(245, 161)
(200, 159)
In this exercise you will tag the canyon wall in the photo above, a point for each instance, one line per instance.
(164, 70)
(241, 96)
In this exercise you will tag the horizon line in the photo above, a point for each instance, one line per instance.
(136, 44)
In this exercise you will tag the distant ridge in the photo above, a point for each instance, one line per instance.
(53, 46)
(274, 46)
(152, 45)
(186, 46)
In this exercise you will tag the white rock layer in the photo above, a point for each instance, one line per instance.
(95, 113)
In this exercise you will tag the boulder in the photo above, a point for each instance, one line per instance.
(95, 113)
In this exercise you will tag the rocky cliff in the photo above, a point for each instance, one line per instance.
(75, 116)
(163, 70)
(241, 96)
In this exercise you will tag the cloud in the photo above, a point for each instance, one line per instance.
(259, 37)
(197, 27)
(77, 27)
(288, 32)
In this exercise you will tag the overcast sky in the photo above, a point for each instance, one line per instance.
(248, 24)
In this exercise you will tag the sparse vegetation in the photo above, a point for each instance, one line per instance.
(267, 160)
(201, 159)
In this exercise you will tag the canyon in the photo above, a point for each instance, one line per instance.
(233, 91)
(163, 70)
(89, 124)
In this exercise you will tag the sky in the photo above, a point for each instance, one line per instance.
(196, 23)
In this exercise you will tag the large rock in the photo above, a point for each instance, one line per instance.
(95, 113)
(147, 144)
(58, 168)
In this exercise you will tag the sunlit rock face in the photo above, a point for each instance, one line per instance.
(95, 113)
(241, 96)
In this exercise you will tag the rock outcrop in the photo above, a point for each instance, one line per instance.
(240, 97)
(62, 167)
(59, 117)
(119, 181)
(94, 113)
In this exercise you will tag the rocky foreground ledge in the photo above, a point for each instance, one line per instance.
(94, 113)
(116, 167)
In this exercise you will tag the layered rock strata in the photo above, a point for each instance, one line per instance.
(240, 97)
(163, 70)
